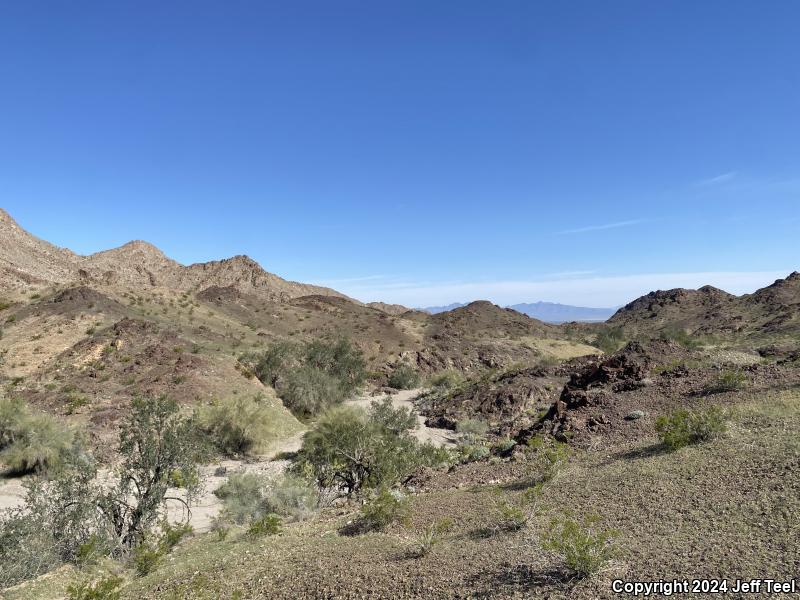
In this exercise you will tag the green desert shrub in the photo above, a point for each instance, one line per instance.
(172, 534)
(146, 558)
(105, 588)
(69, 516)
(446, 380)
(584, 546)
(247, 497)
(387, 507)
(467, 453)
(683, 428)
(472, 430)
(310, 377)
(609, 339)
(549, 456)
(269, 524)
(729, 380)
(396, 420)
(242, 496)
(32, 441)
(57, 523)
(515, 512)
(278, 360)
(308, 391)
(292, 497)
(238, 425)
(350, 449)
(404, 377)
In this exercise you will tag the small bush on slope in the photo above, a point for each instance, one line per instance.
(238, 425)
(728, 381)
(610, 339)
(242, 496)
(106, 588)
(584, 546)
(387, 507)
(682, 427)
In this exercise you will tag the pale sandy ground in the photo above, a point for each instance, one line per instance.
(207, 506)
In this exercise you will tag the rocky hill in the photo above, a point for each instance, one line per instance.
(771, 312)
(27, 262)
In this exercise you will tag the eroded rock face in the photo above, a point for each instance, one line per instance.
(595, 385)
(506, 402)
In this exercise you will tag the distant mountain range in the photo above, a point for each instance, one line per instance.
(550, 312)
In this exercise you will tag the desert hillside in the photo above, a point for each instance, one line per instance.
(467, 450)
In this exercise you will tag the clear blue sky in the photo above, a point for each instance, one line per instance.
(415, 151)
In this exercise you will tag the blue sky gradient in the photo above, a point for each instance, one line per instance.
(417, 152)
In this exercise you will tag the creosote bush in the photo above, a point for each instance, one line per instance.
(243, 497)
(387, 507)
(683, 428)
(472, 430)
(610, 339)
(584, 546)
(404, 377)
(681, 337)
(446, 380)
(515, 513)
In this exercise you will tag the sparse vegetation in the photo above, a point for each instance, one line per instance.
(515, 513)
(446, 380)
(729, 380)
(247, 497)
(431, 536)
(269, 524)
(584, 545)
(105, 588)
(680, 336)
(682, 427)
(472, 430)
(610, 339)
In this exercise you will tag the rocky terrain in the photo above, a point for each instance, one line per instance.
(83, 335)
(769, 315)
(569, 411)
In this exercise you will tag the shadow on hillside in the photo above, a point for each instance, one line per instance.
(520, 485)
(516, 579)
(640, 453)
